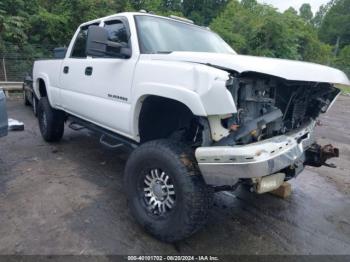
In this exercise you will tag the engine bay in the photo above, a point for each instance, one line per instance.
(268, 106)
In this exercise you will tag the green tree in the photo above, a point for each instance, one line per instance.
(249, 4)
(306, 12)
(258, 29)
(202, 12)
(13, 21)
(321, 13)
(273, 37)
(172, 5)
(234, 24)
(291, 10)
(335, 26)
(343, 60)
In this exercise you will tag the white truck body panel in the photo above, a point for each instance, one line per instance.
(91, 97)
(49, 72)
(192, 84)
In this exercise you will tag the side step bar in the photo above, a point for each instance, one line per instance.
(104, 141)
(107, 138)
(75, 126)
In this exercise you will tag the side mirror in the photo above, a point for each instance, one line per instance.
(59, 52)
(98, 45)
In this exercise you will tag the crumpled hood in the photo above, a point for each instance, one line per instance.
(287, 69)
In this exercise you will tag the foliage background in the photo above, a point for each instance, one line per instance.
(30, 29)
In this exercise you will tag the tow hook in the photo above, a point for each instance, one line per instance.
(317, 155)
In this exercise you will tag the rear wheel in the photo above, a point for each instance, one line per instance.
(25, 98)
(51, 121)
(167, 195)
(35, 105)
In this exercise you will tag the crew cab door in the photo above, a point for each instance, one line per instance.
(98, 89)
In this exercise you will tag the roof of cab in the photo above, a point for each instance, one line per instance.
(129, 14)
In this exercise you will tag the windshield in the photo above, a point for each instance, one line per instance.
(161, 35)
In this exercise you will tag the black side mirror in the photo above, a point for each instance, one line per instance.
(98, 45)
(59, 52)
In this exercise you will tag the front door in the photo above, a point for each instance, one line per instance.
(98, 89)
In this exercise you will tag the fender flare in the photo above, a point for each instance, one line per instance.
(185, 96)
(46, 80)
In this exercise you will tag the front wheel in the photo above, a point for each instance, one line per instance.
(166, 193)
(51, 121)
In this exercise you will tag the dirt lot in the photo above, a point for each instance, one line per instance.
(68, 199)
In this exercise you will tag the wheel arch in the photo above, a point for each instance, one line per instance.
(184, 96)
(153, 107)
(40, 86)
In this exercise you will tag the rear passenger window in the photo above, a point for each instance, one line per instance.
(79, 48)
(117, 32)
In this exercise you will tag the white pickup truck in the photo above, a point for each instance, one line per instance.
(200, 117)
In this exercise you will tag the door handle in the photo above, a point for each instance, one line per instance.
(88, 71)
(66, 69)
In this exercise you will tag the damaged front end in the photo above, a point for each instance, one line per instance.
(270, 137)
(269, 106)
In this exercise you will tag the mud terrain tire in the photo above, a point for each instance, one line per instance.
(51, 121)
(191, 196)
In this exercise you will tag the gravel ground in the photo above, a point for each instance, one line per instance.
(68, 198)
